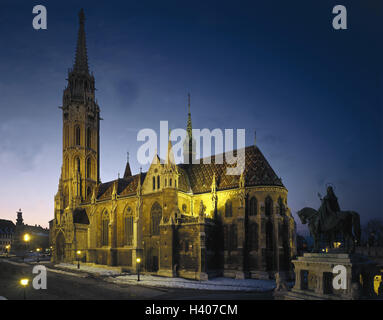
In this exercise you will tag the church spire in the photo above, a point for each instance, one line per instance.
(189, 124)
(81, 59)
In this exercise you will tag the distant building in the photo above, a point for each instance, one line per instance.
(7, 231)
(38, 236)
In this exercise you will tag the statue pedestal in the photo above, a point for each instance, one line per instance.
(314, 277)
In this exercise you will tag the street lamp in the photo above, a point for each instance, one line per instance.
(26, 238)
(78, 258)
(38, 254)
(7, 247)
(138, 260)
(24, 282)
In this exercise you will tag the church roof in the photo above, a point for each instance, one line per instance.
(198, 177)
(125, 186)
(257, 172)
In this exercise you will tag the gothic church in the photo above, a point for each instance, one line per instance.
(187, 220)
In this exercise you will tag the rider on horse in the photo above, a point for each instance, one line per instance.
(328, 211)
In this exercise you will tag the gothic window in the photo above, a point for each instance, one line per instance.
(253, 206)
(89, 138)
(281, 206)
(66, 197)
(156, 214)
(175, 183)
(166, 182)
(78, 135)
(228, 209)
(253, 236)
(158, 182)
(77, 163)
(268, 206)
(66, 173)
(170, 182)
(154, 183)
(128, 234)
(66, 136)
(88, 168)
(104, 229)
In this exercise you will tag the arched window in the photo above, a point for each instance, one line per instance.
(105, 229)
(128, 234)
(228, 209)
(78, 135)
(89, 168)
(281, 206)
(268, 206)
(170, 182)
(156, 214)
(158, 182)
(175, 183)
(66, 197)
(66, 170)
(253, 206)
(253, 236)
(66, 136)
(77, 164)
(154, 183)
(89, 138)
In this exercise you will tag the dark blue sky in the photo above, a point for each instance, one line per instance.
(313, 94)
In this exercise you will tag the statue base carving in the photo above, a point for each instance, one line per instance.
(314, 277)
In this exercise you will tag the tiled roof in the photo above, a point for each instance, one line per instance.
(257, 172)
(199, 177)
(125, 186)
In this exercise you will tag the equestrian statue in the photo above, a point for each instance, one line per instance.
(329, 222)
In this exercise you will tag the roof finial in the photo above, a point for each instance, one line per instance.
(255, 137)
(127, 156)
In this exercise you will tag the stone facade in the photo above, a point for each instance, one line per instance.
(188, 220)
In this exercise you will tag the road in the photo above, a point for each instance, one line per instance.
(71, 287)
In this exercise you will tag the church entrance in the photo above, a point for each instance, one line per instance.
(60, 247)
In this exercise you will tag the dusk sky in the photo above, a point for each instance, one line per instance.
(312, 93)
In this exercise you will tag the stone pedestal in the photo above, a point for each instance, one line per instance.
(314, 277)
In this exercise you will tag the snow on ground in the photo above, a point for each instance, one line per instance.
(213, 284)
(115, 276)
(97, 270)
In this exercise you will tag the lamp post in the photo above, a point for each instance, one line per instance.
(26, 239)
(38, 255)
(24, 282)
(138, 260)
(7, 249)
(78, 252)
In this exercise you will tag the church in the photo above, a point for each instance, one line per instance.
(187, 220)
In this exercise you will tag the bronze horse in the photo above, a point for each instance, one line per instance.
(346, 223)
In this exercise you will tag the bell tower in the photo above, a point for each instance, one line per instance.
(81, 127)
